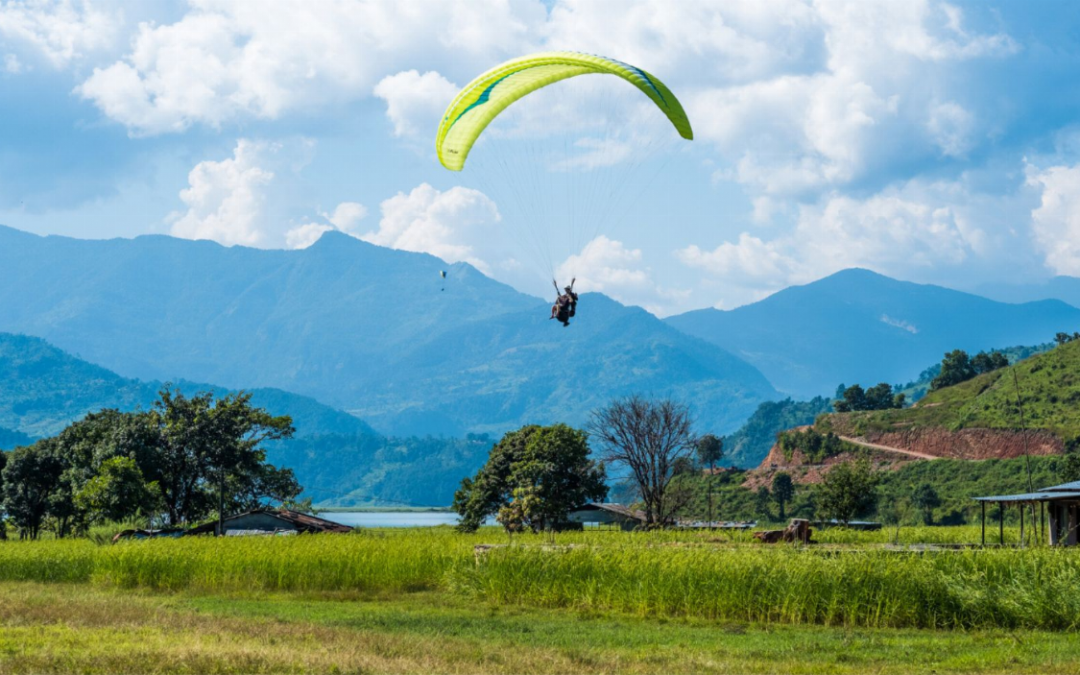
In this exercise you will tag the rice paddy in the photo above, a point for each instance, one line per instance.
(852, 579)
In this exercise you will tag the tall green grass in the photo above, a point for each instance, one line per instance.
(854, 581)
(876, 588)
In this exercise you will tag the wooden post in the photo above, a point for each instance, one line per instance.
(1042, 521)
(983, 523)
(1001, 523)
(1023, 517)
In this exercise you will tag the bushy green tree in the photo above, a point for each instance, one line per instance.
(925, 498)
(878, 397)
(547, 466)
(31, 479)
(710, 450)
(847, 490)
(955, 368)
(3, 515)
(117, 492)
(783, 490)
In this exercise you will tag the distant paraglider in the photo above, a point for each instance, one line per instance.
(442, 277)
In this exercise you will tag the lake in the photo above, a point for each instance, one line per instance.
(392, 518)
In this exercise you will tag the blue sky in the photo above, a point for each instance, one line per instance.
(930, 141)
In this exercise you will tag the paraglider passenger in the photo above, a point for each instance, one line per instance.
(565, 305)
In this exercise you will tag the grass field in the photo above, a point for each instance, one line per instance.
(854, 581)
(62, 628)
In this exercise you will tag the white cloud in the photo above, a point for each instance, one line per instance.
(794, 134)
(902, 233)
(59, 31)
(1056, 221)
(306, 234)
(225, 198)
(12, 64)
(345, 218)
(225, 60)
(453, 225)
(607, 266)
(414, 102)
(951, 127)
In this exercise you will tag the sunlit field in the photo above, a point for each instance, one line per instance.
(854, 579)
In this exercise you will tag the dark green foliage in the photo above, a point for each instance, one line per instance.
(761, 503)
(815, 446)
(748, 446)
(956, 482)
(710, 450)
(547, 468)
(925, 499)
(918, 388)
(1049, 385)
(848, 490)
(183, 457)
(783, 489)
(118, 492)
(958, 367)
(878, 397)
(32, 478)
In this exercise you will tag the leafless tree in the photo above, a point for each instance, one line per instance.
(648, 437)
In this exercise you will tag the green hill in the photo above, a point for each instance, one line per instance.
(1047, 384)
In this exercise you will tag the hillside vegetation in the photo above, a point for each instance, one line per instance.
(1047, 385)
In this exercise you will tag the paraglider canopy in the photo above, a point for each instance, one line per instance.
(489, 94)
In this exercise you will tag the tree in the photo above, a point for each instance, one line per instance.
(783, 489)
(710, 450)
(205, 447)
(925, 498)
(847, 490)
(647, 437)
(3, 515)
(761, 503)
(955, 368)
(545, 470)
(854, 399)
(31, 477)
(117, 492)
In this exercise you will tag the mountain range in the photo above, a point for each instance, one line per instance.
(336, 456)
(359, 327)
(857, 326)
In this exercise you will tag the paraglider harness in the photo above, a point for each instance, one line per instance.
(565, 306)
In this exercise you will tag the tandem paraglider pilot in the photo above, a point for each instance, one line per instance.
(565, 306)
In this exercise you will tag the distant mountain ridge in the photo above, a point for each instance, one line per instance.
(43, 389)
(337, 457)
(857, 326)
(359, 327)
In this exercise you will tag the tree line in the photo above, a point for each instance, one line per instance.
(181, 461)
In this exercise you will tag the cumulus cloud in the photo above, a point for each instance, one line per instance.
(225, 198)
(452, 225)
(608, 266)
(897, 232)
(59, 32)
(414, 102)
(345, 217)
(225, 60)
(1056, 221)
